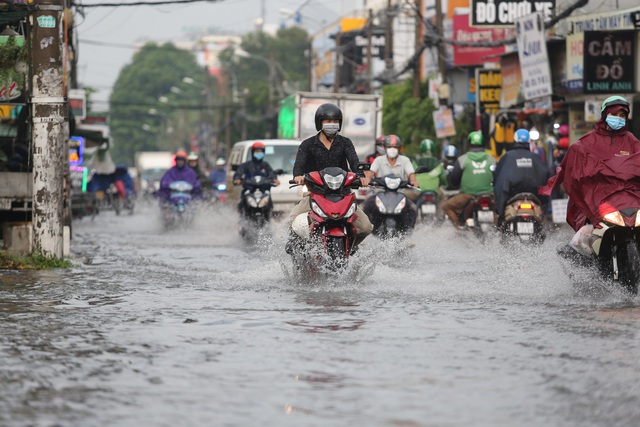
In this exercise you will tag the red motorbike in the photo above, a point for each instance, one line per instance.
(326, 235)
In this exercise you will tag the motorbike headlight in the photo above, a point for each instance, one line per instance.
(317, 210)
(392, 183)
(252, 202)
(380, 205)
(615, 218)
(263, 202)
(222, 187)
(638, 218)
(351, 211)
(333, 182)
(400, 206)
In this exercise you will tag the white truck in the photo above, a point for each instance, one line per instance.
(150, 166)
(362, 117)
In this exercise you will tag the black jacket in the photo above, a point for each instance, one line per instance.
(313, 155)
(253, 168)
(518, 171)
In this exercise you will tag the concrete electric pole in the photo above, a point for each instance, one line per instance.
(49, 127)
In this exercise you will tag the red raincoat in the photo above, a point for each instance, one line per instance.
(601, 174)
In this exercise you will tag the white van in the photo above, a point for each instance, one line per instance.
(280, 154)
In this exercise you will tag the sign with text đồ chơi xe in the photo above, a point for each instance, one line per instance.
(609, 61)
(504, 13)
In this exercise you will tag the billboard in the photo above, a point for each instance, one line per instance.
(504, 13)
(609, 61)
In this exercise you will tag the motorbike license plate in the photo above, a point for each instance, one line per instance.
(428, 209)
(485, 216)
(525, 227)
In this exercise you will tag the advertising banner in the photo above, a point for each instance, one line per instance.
(609, 61)
(504, 13)
(575, 59)
(443, 121)
(532, 51)
(469, 55)
(488, 92)
(511, 81)
(602, 21)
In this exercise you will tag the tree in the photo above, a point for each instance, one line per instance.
(276, 66)
(152, 74)
(412, 118)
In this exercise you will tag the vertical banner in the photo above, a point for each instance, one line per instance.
(443, 121)
(532, 51)
(609, 61)
(488, 91)
(511, 81)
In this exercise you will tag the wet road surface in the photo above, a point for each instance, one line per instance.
(194, 328)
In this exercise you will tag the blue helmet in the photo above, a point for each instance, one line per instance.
(451, 151)
(521, 135)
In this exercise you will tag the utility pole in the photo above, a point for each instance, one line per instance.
(417, 67)
(49, 120)
(368, 85)
(442, 66)
(388, 39)
(336, 78)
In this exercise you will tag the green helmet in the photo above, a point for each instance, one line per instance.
(614, 100)
(427, 146)
(475, 138)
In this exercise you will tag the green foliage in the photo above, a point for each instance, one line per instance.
(34, 262)
(10, 53)
(412, 118)
(286, 53)
(151, 75)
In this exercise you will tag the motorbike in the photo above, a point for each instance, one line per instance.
(178, 211)
(524, 219)
(479, 215)
(256, 196)
(616, 245)
(388, 217)
(219, 192)
(427, 205)
(325, 236)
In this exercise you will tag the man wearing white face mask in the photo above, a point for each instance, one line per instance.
(394, 163)
(328, 149)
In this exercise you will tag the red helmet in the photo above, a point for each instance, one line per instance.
(258, 146)
(392, 141)
(180, 154)
(380, 140)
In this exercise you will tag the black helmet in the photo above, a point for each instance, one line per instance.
(328, 112)
(392, 141)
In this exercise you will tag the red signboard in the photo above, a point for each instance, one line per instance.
(467, 55)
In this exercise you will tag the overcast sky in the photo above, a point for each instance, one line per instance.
(104, 29)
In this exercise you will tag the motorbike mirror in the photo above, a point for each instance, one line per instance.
(234, 167)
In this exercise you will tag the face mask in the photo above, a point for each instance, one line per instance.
(258, 155)
(180, 163)
(392, 153)
(330, 129)
(615, 122)
(380, 150)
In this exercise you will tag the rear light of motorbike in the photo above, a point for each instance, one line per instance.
(525, 206)
(485, 202)
(428, 198)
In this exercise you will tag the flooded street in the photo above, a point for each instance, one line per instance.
(193, 328)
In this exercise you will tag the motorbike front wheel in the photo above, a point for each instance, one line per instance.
(628, 256)
(337, 251)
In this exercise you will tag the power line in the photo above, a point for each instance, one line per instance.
(146, 3)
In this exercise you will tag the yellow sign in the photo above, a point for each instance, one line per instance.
(351, 24)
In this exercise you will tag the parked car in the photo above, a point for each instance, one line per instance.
(281, 155)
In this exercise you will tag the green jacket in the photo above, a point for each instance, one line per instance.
(431, 181)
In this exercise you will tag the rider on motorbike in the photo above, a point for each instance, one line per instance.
(472, 173)
(254, 167)
(518, 171)
(380, 151)
(427, 156)
(396, 164)
(192, 161)
(179, 172)
(328, 149)
(609, 148)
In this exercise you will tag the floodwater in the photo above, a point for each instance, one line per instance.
(194, 328)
